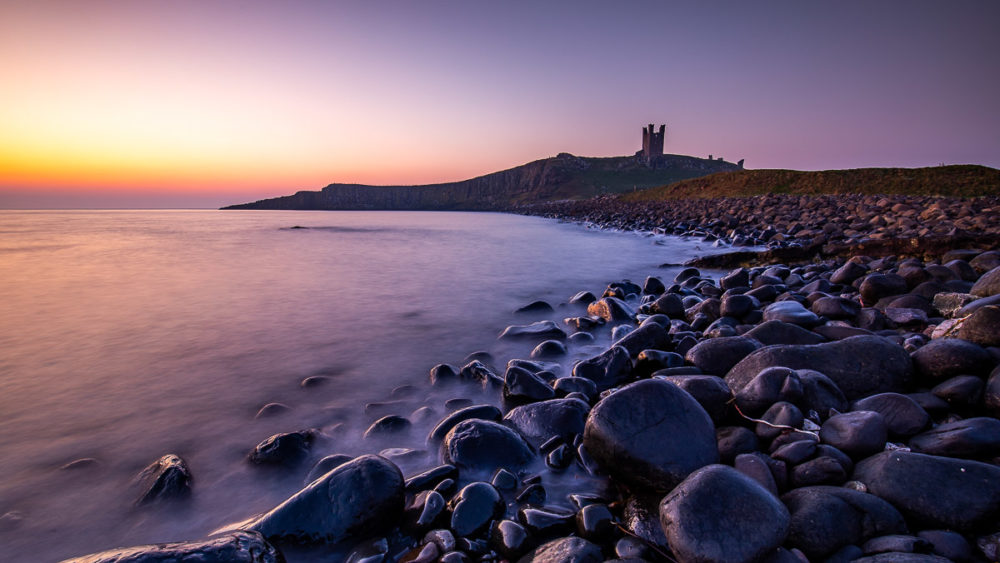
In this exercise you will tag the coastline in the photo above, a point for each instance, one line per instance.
(759, 352)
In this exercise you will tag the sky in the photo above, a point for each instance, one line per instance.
(194, 103)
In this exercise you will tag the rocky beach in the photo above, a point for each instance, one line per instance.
(826, 390)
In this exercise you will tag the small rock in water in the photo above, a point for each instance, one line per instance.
(534, 307)
(168, 478)
(288, 448)
(272, 409)
(474, 507)
(386, 426)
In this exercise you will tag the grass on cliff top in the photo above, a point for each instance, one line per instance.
(966, 180)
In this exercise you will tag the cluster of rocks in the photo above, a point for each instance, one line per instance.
(782, 220)
(834, 411)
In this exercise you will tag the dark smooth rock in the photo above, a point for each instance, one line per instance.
(739, 277)
(948, 544)
(877, 286)
(794, 453)
(650, 434)
(232, 547)
(370, 551)
(653, 286)
(166, 479)
(960, 391)
(549, 349)
(858, 434)
(738, 306)
(948, 357)
(482, 445)
(483, 412)
(825, 519)
(932, 490)
(903, 416)
(969, 438)
(426, 510)
(849, 272)
(669, 304)
(583, 297)
(791, 312)
(534, 307)
(719, 514)
(430, 478)
(533, 494)
(359, 498)
(537, 422)
(473, 508)
(837, 332)
(509, 539)
(710, 391)
(822, 470)
(820, 393)
(836, 308)
(761, 469)
(716, 356)
(777, 419)
(520, 385)
(988, 284)
(608, 369)
(387, 426)
(982, 326)
(611, 309)
(566, 385)
(985, 261)
(896, 543)
(991, 393)
(565, 550)
(650, 361)
(648, 336)
(477, 371)
(641, 518)
(544, 524)
(595, 522)
(778, 332)
(541, 330)
(272, 409)
(860, 366)
(734, 440)
(771, 385)
(324, 466)
(289, 448)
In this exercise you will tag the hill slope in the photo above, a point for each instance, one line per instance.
(550, 179)
(954, 181)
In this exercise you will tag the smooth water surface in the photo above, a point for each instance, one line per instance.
(127, 335)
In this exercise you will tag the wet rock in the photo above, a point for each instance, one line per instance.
(719, 514)
(738, 306)
(710, 391)
(428, 479)
(387, 426)
(583, 298)
(542, 330)
(359, 498)
(948, 357)
(474, 507)
(565, 550)
(932, 490)
(481, 373)
(761, 469)
(878, 286)
(982, 326)
(649, 336)
(739, 277)
(777, 419)
(481, 445)
(595, 522)
(907, 317)
(771, 385)
(948, 544)
(653, 286)
(822, 470)
(484, 412)
(233, 547)
(607, 369)
(847, 273)
(969, 438)
(858, 434)
(903, 416)
(794, 453)
(820, 393)
(289, 448)
(167, 478)
(734, 440)
(860, 365)
(534, 307)
(544, 524)
(549, 349)
(371, 551)
(509, 539)
(520, 385)
(896, 543)
(324, 465)
(791, 312)
(669, 304)
(777, 332)
(716, 356)
(566, 385)
(533, 494)
(836, 308)
(612, 310)
(960, 391)
(988, 284)
(272, 409)
(826, 519)
(650, 434)
(537, 422)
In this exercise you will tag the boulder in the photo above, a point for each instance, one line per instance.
(167, 478)
(232, 547)
(650, 434)
(988, 284)
(982, 326)
(484, 412)
(287, 448)
(565, 550)
(719, 514)
(903, 416)
(716, 356)
(860, 365)
(481, 445)
(612, 310)
(608, 369)
(791, 312)
(648, 336)
(358, 498)
(537, 422)
(969, 438)
(542, 330)
(474, 507)
(932, 490)
(947, 357)
(858, 434)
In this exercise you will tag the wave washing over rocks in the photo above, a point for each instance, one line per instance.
(839, 409)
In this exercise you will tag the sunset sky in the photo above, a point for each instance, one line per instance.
(204, 103)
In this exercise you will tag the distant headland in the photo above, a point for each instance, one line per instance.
(564, 176)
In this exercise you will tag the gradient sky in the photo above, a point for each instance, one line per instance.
(203, 103)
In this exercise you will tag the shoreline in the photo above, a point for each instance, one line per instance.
(754, 361)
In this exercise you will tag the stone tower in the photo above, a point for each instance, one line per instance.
(652, 141)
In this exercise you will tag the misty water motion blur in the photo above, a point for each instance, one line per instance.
(127, 335)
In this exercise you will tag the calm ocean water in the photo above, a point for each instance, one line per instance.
(127, 335)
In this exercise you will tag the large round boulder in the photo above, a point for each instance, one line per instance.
(859, 365)
(988, 284)
(650, 434)
(363, 496)
(719, 514)
(825, 519)
(716, 356)
(482, 445)
(538, 422)
(947, 357)
(932, 490)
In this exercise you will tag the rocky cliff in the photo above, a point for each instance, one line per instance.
(561, 177)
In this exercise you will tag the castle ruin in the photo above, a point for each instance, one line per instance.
(652, 142)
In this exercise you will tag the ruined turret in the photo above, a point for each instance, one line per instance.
(652, 142)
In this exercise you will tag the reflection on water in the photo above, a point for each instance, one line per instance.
(127, 335)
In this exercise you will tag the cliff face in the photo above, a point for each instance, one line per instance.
(561, 177)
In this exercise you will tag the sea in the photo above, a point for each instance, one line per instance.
(126, 335)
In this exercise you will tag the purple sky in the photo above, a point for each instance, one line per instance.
(207, 103)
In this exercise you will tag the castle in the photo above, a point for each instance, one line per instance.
(652, 142)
